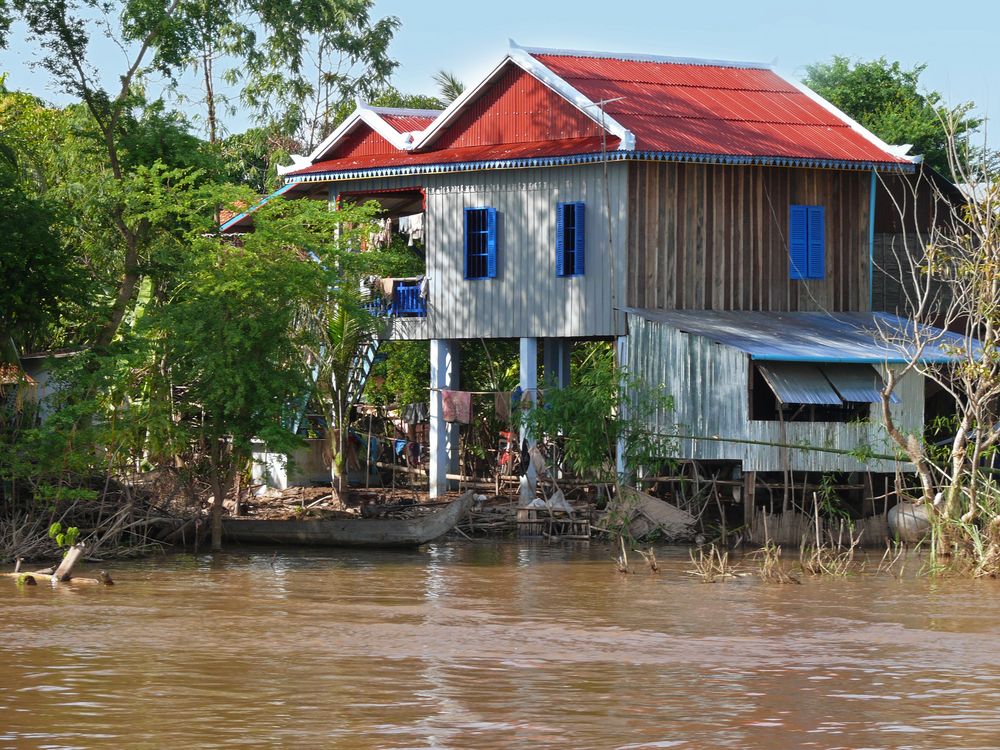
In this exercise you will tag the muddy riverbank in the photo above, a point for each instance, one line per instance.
(494, 645)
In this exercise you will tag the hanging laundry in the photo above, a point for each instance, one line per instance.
(416, 228)
(386, 286)
(424, 287)
(413, 453)
(456, 406)
(415, 413)
(502, 405)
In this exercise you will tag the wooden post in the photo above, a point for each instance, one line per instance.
(867, 500)
(749, 488)
(65, 570)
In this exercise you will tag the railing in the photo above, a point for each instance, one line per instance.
(406, 303)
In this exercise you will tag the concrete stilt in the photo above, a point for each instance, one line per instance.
(529, 384)
(621, 358)
(443, 436)
(529, 375)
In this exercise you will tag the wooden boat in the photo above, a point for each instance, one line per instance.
(350, 532)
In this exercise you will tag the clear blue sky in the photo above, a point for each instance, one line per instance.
(956, 40)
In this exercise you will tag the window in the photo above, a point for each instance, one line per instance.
(814, 392)
(569, 239)
(807, 243)
(480, 243)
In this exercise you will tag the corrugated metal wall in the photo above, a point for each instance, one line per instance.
(709, 385)
(526, 298)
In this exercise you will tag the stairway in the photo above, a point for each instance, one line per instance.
(360, 368)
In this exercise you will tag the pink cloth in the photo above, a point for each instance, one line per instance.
(456, 406)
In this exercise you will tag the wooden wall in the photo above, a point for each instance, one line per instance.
(712, 237)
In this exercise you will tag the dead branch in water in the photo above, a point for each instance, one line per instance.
(713, 567)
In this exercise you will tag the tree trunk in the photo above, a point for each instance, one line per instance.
(215, 516)
(338, 466)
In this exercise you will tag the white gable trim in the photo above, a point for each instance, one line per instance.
(533, 67)
(523, 57)
(362, 114)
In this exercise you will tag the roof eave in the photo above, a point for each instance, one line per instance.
(568, 159)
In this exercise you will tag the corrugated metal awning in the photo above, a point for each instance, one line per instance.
(859, 383)
(815, 337)
(795, 383)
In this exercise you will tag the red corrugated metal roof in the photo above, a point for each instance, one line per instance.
(407, 123)
(363, 141)
(516, 108)
(489, 152)
(714, 109)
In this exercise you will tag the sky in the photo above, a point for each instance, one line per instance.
(465, 37)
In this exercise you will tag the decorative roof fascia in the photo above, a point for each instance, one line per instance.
(611, 156)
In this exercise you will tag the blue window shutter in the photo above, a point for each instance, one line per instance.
(578, 245)
(560, 239)
(817, 242)
(798, 265)
(465, 245)
(491, 243)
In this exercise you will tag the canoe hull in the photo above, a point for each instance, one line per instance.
(350, 532)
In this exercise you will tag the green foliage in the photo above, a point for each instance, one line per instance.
(602, 407)
(890, 101)
(450, 86)
(62, 538)
(830, 504)
(251, 158)
(36, 268)
(401, 377)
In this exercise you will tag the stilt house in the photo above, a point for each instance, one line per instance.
(712, 217)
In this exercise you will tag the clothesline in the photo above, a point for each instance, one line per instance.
(486, 393)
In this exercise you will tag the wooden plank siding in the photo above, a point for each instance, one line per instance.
(526, 298)
(709, 386)
(714, 237)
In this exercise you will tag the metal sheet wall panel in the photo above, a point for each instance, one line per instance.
(526, 298)
(860, 383)
(709, 385)
(795, 383)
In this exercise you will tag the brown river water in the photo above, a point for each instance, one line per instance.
(506, 645)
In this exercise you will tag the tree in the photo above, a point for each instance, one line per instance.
(888, 100)
(951, 278)
(449, 86)
(38, 274)
(604, 409)
(165, 38)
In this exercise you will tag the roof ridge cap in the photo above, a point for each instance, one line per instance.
(633, 57)
(404, 111)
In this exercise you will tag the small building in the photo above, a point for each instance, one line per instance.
(702, 213)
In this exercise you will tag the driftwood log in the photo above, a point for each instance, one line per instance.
(64, 573)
